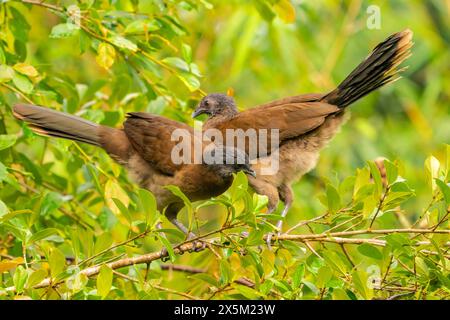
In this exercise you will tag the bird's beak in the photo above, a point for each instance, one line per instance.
(198, 112)
(250, 172)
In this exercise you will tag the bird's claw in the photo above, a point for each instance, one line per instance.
(195, 244)
(269, 239)
(164, 255)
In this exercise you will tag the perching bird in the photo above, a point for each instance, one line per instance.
(144, 147)
(306, 123)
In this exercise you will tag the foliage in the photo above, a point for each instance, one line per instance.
(72, 225)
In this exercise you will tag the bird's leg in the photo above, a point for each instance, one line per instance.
(189, 234)
(285, 194)
(171, 214)
(270, 209)
(287, 197)
(164, 249)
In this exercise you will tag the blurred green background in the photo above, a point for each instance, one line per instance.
(263, 50)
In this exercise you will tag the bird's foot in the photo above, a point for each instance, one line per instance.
(269, 239)
(164, 255)
(197, 245)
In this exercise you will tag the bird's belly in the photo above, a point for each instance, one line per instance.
(294, 160)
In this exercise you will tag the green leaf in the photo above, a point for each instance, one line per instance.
(77, 281)
(206, 278)
(187, 52)
(142, 26)
(22, 83)
(168, 246)
(323, 276)
(42, 235)
(391, 172)
(297, 277)
(105, 55)
(359, 279)
(177, 63)
(340, 294)
(36, 277)
(20, 278)
(104, 241)
(123, 43)
(123, 210)
(57, 262)
(259, 202)
(333, 199)
(311, 286)
(248, 292)
(6, 73)
(2, 56)
(447, 162)
(50, 203)
(226, 273)
(176, 191)
(104, 281)
(445, 189)
(189, 80)
(114, 191)
(3, 172)
(148, 202)
(64, 30)
(264, 10)
(175, 232)
(7, 140)
(370, 251)
(239, 186)
(376, 175)
(432, 170)
(361, 182)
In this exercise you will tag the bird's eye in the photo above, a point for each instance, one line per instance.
(206, 103)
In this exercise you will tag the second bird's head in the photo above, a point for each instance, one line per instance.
(215, 104)
(227, 160)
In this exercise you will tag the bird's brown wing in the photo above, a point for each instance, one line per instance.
(308, 97)
(150, 135)
(291, 119)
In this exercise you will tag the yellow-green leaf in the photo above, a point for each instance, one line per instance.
(104, 281)
(105, 55)
(26, 69)
(36, 277)
(432, 170)
(22, 83)
(285, 10)
(123, 43)
(10, 264)
(114, 191)
(6, 73)
(57, 261)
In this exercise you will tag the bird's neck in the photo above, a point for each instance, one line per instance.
(218, 118)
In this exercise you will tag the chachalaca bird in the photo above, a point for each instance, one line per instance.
(307, 122)
(144, 147)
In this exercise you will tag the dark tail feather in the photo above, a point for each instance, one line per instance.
(378, 69)
(53, 123)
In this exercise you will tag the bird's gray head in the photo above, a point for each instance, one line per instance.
(216, 104)
(227, 160)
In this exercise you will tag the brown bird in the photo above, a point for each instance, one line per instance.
(306, 123)
(144, 147)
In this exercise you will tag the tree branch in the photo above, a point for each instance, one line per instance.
(189, 246)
